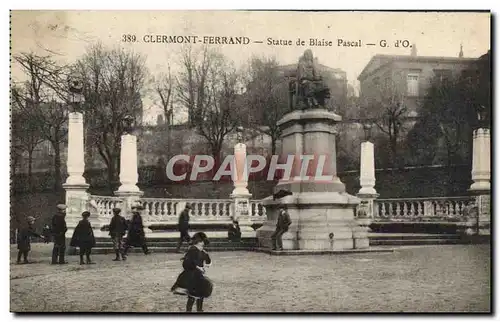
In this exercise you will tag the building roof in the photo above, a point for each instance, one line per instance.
(293, 67)
(384, 60)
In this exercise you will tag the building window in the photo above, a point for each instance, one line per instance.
(412, 83)
(442, 75)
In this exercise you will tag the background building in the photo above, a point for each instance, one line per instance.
(411, 75)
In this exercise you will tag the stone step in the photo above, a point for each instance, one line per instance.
(401, 242)
(388, 236)
(153, 249)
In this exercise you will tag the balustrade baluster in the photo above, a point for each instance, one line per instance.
(411, 211)
(382, 213)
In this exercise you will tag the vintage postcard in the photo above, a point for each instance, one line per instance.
(250, 161)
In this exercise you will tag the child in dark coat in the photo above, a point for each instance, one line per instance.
(192, 281)
(234, 232)
(83, 237)
(24, 240)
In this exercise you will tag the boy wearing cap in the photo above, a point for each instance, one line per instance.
(117, 229)
(136, 236)
(183, 226)
(58, 230)
(83, 237)
(24, 239)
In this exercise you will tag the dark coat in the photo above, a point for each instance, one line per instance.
(136, 236)
(234, 232)
(192, 279)
(283, 221)
(59, 229)
(117, 226)
(184, 220)
(24, 238)
(83, 236)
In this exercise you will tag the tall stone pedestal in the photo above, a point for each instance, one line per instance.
(75, 186)
(240, 195)
(129, 176)
(481, 176)
(322, 213)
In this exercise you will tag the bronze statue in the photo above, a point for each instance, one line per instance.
(308, 87)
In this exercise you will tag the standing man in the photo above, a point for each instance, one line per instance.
(136, 236)
(282, 225)
(183, 226)
(58, 230)
(117, 229)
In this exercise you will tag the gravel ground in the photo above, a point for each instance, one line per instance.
(453, 278)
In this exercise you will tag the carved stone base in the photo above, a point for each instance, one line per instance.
(320, 221)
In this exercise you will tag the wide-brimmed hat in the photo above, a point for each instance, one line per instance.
(85, 214)
(137, 207)
(198, 237)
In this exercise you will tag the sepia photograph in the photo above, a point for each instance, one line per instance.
(250, 161)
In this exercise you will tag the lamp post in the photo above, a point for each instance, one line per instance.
(367, 128)
(75, 185)
(129, 175)
(481, 171)
(241, 195)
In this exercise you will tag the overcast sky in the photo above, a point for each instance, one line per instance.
(66, 34)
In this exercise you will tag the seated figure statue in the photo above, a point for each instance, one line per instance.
(309, 88)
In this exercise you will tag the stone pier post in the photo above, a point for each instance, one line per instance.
(129, 175)
(367, 194)
(76, 187)
(481, 175)
(240, 195)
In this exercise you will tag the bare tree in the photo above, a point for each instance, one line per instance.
(388, 111)
(44, 97)
(164, 88)
(25, 132)
(114, 79)
(266, 97)
(208, 88)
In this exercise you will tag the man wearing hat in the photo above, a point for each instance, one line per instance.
(282, 225)
(117, 229)
(183, 226)
(24, 239)
(136, 236)
(58, 230)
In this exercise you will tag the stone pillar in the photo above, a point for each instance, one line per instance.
(481, 174)
(129, 175)
(481, 152)
(367, 194)
(240, 195)
(75, 186)
(367, 171)
(321, 211)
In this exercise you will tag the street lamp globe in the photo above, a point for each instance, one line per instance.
(128, 124)
(367, 127)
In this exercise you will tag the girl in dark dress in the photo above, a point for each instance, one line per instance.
(192, 281)
(83, 237)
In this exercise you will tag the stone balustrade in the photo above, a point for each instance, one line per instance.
(105, 205)
(422, 209)
(159, 210)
